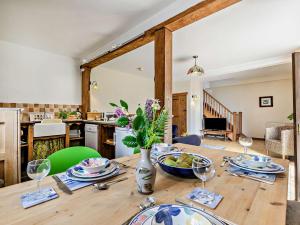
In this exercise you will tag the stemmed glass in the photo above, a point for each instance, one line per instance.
(203, 170)
(245, 142)
(38, 170)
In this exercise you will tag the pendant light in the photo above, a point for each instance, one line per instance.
(195, 70)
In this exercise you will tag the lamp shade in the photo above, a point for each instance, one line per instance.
(195, 70)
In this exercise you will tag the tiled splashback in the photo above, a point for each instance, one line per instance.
(28, 107)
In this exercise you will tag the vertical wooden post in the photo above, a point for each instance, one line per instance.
(163, 74)
(296, 111)
(240, 123)
(30, 142)
(67, 138)
(85, 90)
(235, 126)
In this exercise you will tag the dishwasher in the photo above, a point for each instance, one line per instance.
(92, 136)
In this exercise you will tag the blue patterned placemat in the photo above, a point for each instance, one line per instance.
(34, 198)
(263, 176)
(72, 184)
(205, 197)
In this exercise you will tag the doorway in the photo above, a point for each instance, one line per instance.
(179, 111)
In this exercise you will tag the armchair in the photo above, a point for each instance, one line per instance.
(280, 140)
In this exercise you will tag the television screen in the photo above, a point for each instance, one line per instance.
(215, 123)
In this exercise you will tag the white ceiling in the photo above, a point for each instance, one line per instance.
(71, 27)
(249, 35)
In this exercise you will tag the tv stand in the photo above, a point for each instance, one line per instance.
(216, 133)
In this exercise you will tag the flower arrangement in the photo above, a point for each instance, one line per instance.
(148, 126)
(122, 114)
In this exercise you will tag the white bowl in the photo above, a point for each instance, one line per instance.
(94, 165)
(163, 147)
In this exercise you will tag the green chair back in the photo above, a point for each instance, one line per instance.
(68, 157)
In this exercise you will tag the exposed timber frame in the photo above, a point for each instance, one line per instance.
(158, 33)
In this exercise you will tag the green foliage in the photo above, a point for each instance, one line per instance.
(291, 117)
(113, 104)
(136, 150)
(147, 132)
(122, 121)
(139, 111)
(64, 114)
(130, 141)
(138, 123)
(124, 104)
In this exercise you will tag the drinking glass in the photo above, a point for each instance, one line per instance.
(245, 142)
(203, 170)
(38, 170)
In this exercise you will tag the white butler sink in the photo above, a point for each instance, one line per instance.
(49, 129)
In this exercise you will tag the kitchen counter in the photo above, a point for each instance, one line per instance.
(64, 121)
(75, 121)
(100, 122)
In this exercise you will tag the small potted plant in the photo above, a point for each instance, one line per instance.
(123, 128)
(148, 128)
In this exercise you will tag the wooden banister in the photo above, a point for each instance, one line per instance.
(216, 109)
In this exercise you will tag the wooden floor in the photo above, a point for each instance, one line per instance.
(258, 147)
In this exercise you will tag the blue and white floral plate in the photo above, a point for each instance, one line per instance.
(174, 215)
(80, 172)
(114, 172)
(271, 167)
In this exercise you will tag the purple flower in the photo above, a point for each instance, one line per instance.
(119, 112)
(149, 109)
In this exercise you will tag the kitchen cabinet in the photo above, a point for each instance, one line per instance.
(107, 142)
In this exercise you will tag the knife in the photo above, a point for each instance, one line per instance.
(62, 186)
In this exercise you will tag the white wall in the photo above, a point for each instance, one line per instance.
(115, 85)
(29, 75)
(245, 98)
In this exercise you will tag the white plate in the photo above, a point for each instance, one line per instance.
(115, 172)
(145, 217)
(80, 172)
(279, 168)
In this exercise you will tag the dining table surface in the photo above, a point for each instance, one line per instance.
(245, 201)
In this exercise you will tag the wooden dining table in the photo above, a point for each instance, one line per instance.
(245, 201)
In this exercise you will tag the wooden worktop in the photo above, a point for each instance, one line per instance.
(245, 201)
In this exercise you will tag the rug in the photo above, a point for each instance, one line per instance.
(215, 147)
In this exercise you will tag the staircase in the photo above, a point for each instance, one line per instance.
(212, 108)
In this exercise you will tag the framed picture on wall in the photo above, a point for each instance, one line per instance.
(266, 101)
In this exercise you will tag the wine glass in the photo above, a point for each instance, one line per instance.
(245, 142)
(38, 170)
(203, 170)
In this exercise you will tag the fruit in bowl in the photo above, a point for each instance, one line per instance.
(180, 163)
(184, 160)
(95, 165)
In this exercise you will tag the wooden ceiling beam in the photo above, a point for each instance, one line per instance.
(133, 44)
(193, 14)
(187, 17)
